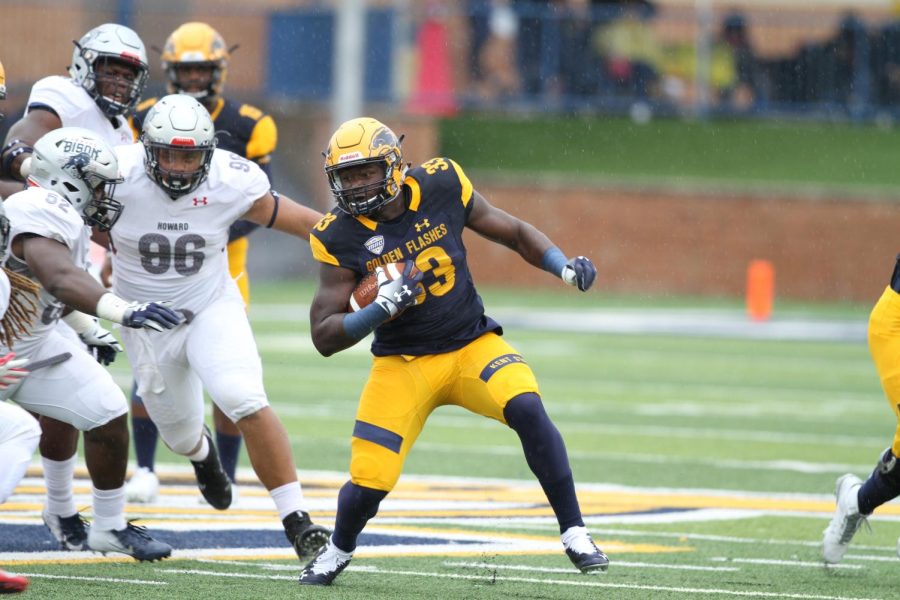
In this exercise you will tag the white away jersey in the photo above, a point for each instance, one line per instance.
(77, 109)
(166, 249)
(47, 214)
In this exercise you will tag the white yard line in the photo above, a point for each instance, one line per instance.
(782, 563)
(103, 579)
(616, 563)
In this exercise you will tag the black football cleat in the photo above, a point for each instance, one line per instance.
(327, 565)
(70, 532)
(585, 554)
(306, 537)
(211, 477)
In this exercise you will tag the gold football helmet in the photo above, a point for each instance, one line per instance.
(2, 82)
(364, 141)
(196, 45)
(2, 87)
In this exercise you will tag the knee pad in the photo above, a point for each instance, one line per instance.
(181, 442)
(888, 469)
(525, 410)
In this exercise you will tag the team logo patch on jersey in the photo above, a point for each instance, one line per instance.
(375, 244)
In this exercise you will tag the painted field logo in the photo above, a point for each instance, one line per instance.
(375, 244)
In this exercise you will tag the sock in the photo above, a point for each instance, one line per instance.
(109, 509)
(342, 555)
(144, 435)
(546, 455)
(201, 454)
(59, 477)
(881, 486)
(356, 505)
(229, 447)
(288, 499)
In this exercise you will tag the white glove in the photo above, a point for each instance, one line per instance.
(11, 372)
(98, 336)
(100, 342)
(397, 293)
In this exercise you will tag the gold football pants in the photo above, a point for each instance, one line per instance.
(237, 267)
(402, 391)
(884, 344)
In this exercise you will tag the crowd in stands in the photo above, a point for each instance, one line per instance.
(607, 54)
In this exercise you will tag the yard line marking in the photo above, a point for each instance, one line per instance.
(563, 582)
(783, 563)
(83, 578)
(871, 557)
(737, 540)
(617, 564)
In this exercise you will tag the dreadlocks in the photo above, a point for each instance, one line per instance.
(23, 297)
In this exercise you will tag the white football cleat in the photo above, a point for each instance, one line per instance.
(143, 487)
(133, 541)
(846, 519)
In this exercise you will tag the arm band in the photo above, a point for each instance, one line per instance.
(112, 308)
(274, 210)
(9, 153)
(554, 261)
(79, 321)
(361, 323)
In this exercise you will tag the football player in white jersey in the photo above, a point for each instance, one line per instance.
(19, 432)
(180, 196)
(107, 74)
(72, 176)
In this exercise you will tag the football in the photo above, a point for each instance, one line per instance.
(366, 290)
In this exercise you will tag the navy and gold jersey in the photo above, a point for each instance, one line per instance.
(240, 128)
(449, 313)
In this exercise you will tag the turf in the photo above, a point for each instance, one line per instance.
(697, 416)
(670, 152)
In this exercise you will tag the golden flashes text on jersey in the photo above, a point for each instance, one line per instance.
(413, 247)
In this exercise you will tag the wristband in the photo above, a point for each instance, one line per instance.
(554, 261)
(112, 308)
(79, 322)
(361, 323)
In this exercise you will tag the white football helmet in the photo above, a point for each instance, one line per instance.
(110, 42)
(82, 168)
(179, 132)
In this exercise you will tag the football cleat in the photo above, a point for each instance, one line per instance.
(582, 551)
(211, 478)
(143, 487)
(306, 537)
(10, 584)
(70, 532)
(846, 520)
(133, 541)
(327, 565)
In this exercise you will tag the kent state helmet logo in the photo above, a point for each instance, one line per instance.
(383, 142)
(375, 244)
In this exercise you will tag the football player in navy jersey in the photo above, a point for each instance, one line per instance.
(195, 60)
(433, 343)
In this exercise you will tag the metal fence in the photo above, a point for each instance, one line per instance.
(670, 56)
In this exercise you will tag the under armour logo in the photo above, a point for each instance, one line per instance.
(201, 201)
(423, 225)
(402, 293)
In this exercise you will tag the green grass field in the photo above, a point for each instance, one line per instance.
(749, 436)
(672, 152)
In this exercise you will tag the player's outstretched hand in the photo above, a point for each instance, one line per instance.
(397, 291)
(101, 343)
(580, 272)
(11, 372)
(152, 315)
